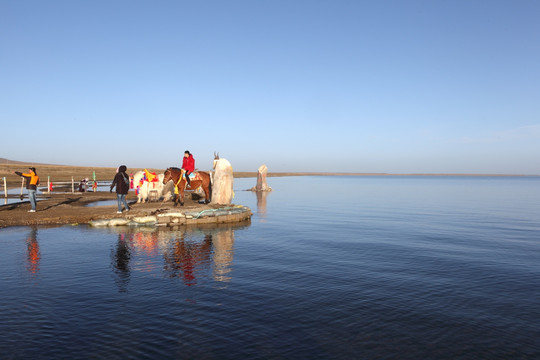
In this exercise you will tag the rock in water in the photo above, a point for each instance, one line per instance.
(118, 222)
(261, 179)
(99, 223)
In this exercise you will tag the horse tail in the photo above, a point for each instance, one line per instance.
(210, 187)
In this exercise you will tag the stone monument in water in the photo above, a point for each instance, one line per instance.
(261, 180)
(222, 185)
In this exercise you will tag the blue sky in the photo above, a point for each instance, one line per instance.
(353, 86)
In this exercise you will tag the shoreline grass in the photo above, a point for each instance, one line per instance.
(64, 173)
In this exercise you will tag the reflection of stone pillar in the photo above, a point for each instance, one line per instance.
(261, 202)
(222, 186)
(223, 242)
(261, 180)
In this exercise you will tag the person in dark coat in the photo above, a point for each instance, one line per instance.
(121, 181)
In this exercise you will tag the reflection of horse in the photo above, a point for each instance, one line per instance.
(201, 179)
(189, 254)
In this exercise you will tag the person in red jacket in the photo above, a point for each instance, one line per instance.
(188, 164)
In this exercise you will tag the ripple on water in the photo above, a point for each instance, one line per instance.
(393, 268)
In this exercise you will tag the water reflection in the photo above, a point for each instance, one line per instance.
(33, 255)
(223, 254)
(190, 255)
(261, 202)
(147, 243)
(121, 259)
(184, 258)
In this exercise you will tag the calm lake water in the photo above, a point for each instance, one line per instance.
(329, 268)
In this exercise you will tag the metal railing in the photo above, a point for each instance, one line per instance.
(90, 184)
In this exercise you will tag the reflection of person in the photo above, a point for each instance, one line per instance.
(120, 261)
(188, 164)
(121, 181)
(32, 252)
(32, 181)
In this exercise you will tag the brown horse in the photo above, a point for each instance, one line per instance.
(176, 175)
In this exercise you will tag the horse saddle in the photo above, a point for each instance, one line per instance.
(150, 177)
(194, 176)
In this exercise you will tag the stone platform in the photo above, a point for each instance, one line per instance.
(220, 215)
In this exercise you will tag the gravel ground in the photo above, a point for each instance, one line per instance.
(67, 208)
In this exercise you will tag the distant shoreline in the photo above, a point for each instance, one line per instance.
(277, 174)
(66, 172)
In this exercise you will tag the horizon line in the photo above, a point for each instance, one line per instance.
(8, 162)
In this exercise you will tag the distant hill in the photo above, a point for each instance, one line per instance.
(4, 161)
(10, 162)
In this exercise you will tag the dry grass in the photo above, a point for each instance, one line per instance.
(64, 173)
(61, 173)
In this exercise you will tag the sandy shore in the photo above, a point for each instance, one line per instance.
(67, 208)
(60, 208)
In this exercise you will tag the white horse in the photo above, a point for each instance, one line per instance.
(145, 187)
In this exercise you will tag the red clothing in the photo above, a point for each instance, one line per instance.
(188, 163)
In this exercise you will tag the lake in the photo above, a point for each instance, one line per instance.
(328, 268)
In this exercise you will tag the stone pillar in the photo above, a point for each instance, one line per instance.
(261, 180)
(222, 186)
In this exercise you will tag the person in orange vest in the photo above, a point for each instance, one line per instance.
(32, 181)
(188, 164)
